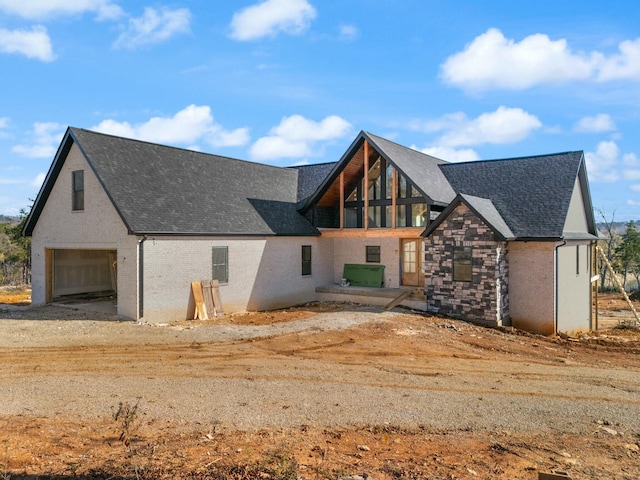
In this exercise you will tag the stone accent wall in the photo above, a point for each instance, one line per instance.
(485, 299)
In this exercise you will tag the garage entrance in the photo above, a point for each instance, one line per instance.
(81, 272)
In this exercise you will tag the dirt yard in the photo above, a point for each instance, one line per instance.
(319, 391)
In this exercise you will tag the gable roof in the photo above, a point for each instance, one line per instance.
(483, 208)
(158, 189)
(531, 194)
(420, 168)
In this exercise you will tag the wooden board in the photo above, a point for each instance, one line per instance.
(397, 300)
(217, 300)
(200, 308)
(208, 297)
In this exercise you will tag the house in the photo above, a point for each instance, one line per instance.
(481, 239)
(514, 246)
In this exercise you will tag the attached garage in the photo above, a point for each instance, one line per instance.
(78, 272)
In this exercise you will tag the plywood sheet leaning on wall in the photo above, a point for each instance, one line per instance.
(204, 300)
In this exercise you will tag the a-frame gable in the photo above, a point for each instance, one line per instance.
(482, 208)
(418, 168)
(67, 143)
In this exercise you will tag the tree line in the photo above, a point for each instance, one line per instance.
(622, 249)
(15, 251)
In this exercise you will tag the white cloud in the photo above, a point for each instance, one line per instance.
(296, 137)
(46, 138)
(635, 188)
(624, 65)
(188, 126)
(631, 160)
(9, 181)
(492, 61)
(597, 124)
(270, 17)
(505, 125)
(37, 182)
(631, 174)
(633, 203)
(154, 26)
(32, 44)
(451, 154)
(348, 32)
(601, 164)
(41, 9)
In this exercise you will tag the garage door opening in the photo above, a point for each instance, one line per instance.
(82, 275)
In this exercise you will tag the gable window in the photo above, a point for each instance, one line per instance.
(410, 204)
(220, 268)
(373, 254)
(306, 259)
(462, 264)
(77, 180)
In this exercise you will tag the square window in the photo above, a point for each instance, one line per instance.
(373, 254)
(306, 260)
(220, 270)
(77, 178)
(462, 264)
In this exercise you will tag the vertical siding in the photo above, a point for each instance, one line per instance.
(532, 286)
(574, 294)
(98, 226)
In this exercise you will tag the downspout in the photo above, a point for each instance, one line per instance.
(141, 277)
(555, 316)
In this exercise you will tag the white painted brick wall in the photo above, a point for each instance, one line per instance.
(264, 272)
(532, 286)
(98, 226)
(353, 250)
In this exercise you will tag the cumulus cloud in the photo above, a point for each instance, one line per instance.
(451, 154)
(297, 136)
(635, 188)
(154, 26)
(602, 164)
(34, 43)
(41, 9)
(596, 124)
(492, 61)
(187, 127)
(505, 125)
(271, 17)
(46, 138)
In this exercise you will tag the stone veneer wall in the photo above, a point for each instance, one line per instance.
(485, 299)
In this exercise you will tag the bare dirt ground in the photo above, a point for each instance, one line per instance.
(319, 391)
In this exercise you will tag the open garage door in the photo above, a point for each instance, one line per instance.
(75, 272)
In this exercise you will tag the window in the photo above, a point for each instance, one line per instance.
(306, 259)
(410, 205)
(577, 259)
(373, 254)
(77, 178)
(462, 264)
(220, 270)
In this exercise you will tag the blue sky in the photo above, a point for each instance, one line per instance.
(289, 82)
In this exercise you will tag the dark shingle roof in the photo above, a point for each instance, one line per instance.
(311, 176)
(159, 189)
(531, 194)
(483, 208)
(421, 168)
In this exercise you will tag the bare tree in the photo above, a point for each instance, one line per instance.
(608, 244)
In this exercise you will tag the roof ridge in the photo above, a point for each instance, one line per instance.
(404, 146)
(508, 159)
(147, 142)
